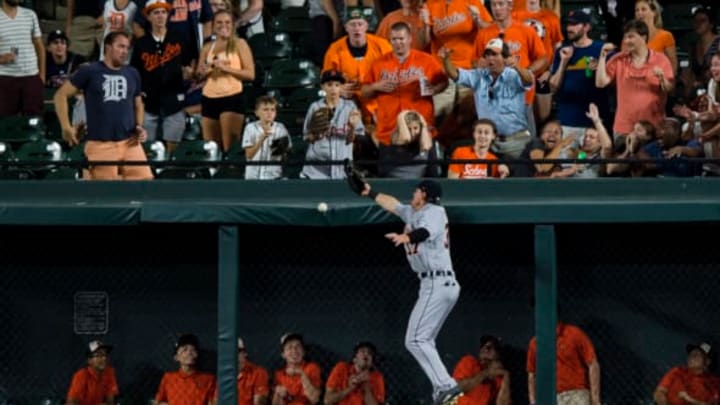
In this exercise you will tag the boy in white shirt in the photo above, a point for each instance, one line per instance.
(265, 140)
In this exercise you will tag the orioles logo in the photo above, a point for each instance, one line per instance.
(152, 61)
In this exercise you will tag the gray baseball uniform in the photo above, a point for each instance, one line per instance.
(439, 290)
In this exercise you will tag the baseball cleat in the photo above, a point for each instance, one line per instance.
(449, 397)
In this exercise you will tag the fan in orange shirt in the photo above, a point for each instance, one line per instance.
(453, 25)
(405, 79)
(252, 380)
(692, 384)
(353, 55)
(358, 382)
(187, 386)
(484, 133)
(96, 383)
(483, 379)
(547, 25)
(659, 40)
(410, 14)
(299, 382)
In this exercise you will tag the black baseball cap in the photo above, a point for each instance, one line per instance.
(187, 339)
(95, 346)
(432, 189)
(332, 75)
(703, 347)
(485, 339)
(578, 17)
(284, 339)
(57, 34)
(365, 345)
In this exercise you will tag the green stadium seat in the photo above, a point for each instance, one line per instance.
(193, 128)
(19, 129)
(39, 157)
(200, 152)
(301, 98)
(293, 121)
(235, 171)
(297, 155)
(6, 153)
(677, 17)
(292, 20)
(292, 74)
(267, 47)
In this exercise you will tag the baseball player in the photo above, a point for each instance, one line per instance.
(427, 246)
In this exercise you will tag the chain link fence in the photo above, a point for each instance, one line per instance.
(640, 293)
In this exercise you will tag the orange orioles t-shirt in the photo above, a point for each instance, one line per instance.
(547, 25)
(453, 28)
(473, 170)
(338, 381)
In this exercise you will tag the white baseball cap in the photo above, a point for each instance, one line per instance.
(241, 344)
(495, 44)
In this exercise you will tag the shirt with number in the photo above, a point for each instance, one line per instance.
(432, 254)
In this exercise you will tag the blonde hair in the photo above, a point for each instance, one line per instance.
(411, 117)
(231, 46)
(656, 8)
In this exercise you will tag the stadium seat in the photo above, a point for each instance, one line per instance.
(301, 98)
(292, 20)
(296, 155)
(195, 156)
(19, 129)
(193, 129)
(293, 121)
(292, 74)
(235, 171)
(267, 47)
(6, 153)
(677, 17)
(16, 174)
(39, 156)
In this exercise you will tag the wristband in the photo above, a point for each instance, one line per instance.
(372, 194)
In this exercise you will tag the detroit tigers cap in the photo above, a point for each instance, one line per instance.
(291, 336)
(432, 189)
(96, 345)
(577, 17)
(332, 75)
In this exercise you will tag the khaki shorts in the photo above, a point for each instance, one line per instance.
(574, 397)
(445, 102)
(127, 150)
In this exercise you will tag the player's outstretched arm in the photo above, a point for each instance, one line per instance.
(386, 201)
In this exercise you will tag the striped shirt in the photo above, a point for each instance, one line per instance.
(18, 33)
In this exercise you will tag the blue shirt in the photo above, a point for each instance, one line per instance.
(675, 167)
(502, 101)
(109, 100)
(577, 89)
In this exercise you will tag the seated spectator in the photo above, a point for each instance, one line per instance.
(483, 378)
(484, 133)
(643, 78)
(692, 384)
(550, 145)
(59, 62)
(409, 13)
(706, 45)
(265, 140)
(163, 60)
(252, 380)
(411, 141)
(358, 381)
(577, 367)
(669, 152)
(298, 383)
(22, 61)
(187, 385)
(96, 383)
(643, 133)
(594, 144)
(659, 40)
(499, 94)
(334, 139)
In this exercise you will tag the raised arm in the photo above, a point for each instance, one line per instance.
(386, 201)
(602, 79)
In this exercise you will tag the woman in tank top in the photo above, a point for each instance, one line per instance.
(225, 63)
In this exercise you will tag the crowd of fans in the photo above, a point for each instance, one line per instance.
(482, 376)
(514, 81)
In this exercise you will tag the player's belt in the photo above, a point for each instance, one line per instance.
(438, 273)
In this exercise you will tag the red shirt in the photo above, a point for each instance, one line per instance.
(575, 352)
(90, 388)
(293, 384)
(484, 393)
(253, 380)
(406, 96)
(339, 380)
(702, 387)
(180, 388)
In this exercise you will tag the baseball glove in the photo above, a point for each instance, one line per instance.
(319, 123)
(354, 178)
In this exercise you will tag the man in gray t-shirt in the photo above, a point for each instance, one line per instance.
(426, 243)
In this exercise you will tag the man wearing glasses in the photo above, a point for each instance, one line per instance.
(499, 94)
(96, 383)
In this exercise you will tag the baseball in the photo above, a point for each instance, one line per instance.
(322, 207)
